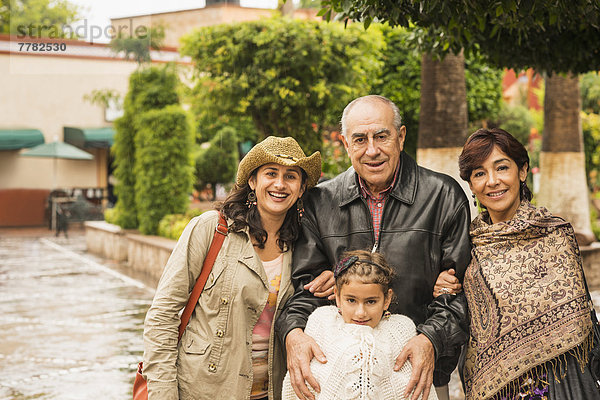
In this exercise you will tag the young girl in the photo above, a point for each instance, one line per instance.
(359, 337)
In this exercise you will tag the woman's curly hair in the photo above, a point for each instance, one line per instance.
(234, 207)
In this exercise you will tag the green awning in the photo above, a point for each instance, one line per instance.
(89, 137)
(58, 150)
(15, 139)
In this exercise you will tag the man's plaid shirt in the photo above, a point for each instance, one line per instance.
(376, 204)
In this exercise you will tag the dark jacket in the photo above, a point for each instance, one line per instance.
(425, 229)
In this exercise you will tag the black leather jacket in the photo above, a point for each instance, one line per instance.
(424, 230)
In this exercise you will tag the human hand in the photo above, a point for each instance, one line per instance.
(301, 348)
(419, 351)
(322, 285)
(447, 283)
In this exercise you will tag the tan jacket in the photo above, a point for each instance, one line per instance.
(214, 357)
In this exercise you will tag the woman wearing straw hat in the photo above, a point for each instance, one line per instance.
(228, 350)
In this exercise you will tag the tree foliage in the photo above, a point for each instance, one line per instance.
(138, 46)
(400, 81)
(286, 75)
(149, 88)
(123, 151)
(590, 92)
(210, 120)
(484, 87)
(163, 165)
(518, 121)
(38, 18)
(513, 33)
(591, 141)
(103, 97)
(217, 163)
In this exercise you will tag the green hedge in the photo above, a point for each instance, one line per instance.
(218, 162)
(163, 165)
(171, 225)
(149, 88)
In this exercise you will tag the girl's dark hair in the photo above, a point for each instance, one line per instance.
(366, 272)
(234, 207)
(480, 145)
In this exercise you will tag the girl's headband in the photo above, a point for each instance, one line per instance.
(347, 262)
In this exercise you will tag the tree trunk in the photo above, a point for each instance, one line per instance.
(563, 185)
(288, 8)
(443, 118)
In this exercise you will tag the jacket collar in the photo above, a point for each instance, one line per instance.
(248, 256)
(405, 189)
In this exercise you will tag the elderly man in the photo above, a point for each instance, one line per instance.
(416, 217)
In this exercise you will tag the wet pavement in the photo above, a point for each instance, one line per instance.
(70, 326)
(71, 323)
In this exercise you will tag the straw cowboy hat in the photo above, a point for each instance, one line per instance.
(283, 151)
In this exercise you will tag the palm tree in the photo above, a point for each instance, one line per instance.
(563, 186)
(443, 118)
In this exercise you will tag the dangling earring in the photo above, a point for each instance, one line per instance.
(522, 190)
(387, 314)
(251, 199)
(339, 311)
(474, 199)
(300, 208)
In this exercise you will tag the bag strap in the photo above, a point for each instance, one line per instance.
(209, 260)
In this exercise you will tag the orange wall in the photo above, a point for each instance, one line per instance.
(23, 207)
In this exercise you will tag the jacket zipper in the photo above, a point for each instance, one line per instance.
(375, 243)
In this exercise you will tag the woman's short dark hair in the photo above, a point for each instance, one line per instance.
(234, 207)
(480, 145)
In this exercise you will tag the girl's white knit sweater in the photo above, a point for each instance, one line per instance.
(360, 359)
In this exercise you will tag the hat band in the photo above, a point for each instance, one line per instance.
(294, 159)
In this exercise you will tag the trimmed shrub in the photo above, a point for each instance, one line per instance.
(171, 226)
(217, 163)
(110, 216)
(163, 165)
(149, 88)
(123, 150)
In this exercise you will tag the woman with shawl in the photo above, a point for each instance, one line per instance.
(530, 323)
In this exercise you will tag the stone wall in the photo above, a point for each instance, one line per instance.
(149, 254)
(106, 240)
(142, 253)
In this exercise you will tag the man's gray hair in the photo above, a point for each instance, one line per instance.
(371, 98)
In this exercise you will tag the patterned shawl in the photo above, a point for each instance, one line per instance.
(528, 303)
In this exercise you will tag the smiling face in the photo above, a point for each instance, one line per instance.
(277, 188)
(362, 303)
(496, 183)
(373, 144)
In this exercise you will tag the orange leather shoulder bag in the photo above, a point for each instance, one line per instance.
(140, 389)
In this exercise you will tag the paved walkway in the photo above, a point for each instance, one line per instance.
(70, 327)
(70, 323)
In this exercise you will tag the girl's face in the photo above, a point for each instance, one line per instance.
(277, 188)
(362, 303)
(497, 183)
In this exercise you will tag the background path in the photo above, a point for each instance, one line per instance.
(71, 323)
(70, 327)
